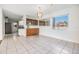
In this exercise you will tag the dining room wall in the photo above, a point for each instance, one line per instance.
(71, 33)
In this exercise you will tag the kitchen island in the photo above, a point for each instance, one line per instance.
(32, 31)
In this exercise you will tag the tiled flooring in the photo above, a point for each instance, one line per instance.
(37, 45)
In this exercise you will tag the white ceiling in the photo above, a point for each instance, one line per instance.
(16, 11)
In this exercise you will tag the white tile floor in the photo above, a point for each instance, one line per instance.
(37, 45)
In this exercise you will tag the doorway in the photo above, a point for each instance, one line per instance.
(8, 29)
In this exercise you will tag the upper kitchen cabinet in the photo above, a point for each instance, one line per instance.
(43, 22)
(31, 22)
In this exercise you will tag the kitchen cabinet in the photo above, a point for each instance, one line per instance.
(32, 31)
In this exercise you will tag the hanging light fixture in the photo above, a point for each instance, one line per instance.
(39, 13)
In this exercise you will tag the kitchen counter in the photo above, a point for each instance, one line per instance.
(32, 31)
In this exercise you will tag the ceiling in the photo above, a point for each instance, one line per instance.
(16, 11)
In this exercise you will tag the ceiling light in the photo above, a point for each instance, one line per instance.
(39, 13)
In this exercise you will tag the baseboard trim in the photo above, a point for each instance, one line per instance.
(59, 39)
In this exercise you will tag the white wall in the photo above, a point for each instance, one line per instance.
(14, 29)
(2, 25)
(69, 34)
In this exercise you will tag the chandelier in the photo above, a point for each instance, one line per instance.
(39, 13)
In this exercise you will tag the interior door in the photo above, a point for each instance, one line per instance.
(8, 29)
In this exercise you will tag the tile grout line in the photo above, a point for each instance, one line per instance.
(38, 45)
(15, 45)
(63, 48)
(23, 45)
(7, 44)
(73, 48)
(35, 45)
